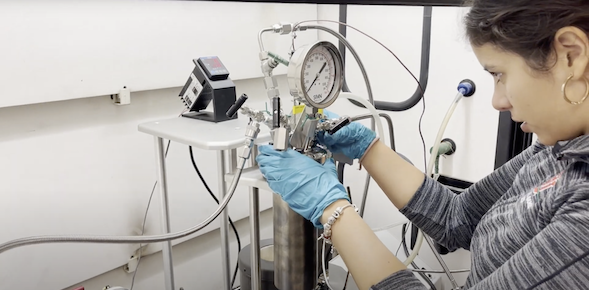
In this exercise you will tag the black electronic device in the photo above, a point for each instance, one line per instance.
(213, 68)
(209, 82)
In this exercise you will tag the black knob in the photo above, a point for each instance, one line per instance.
(235, 107)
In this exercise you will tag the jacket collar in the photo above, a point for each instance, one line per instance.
(577, 148)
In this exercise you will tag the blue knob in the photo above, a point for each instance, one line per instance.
(467, 88)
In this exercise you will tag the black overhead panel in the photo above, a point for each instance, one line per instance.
(361, 2)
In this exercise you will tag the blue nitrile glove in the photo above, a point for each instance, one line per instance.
(330, 115)
(351, 140)
(304, 184)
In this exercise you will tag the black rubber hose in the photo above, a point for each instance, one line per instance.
(423, 74)
(343, 18)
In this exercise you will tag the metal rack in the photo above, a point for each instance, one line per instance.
(224, 138)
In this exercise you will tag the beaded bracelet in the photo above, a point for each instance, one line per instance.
(326, 235)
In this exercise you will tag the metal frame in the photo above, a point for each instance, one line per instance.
(168, 263)
(165, 213)
(360, 2)
(224, 219)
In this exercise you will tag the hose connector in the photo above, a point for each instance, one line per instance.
(251, 133)
(467, 88)
(283, 28)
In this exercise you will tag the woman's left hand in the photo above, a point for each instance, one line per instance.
(307, 186)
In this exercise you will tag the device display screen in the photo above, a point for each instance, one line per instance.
(213, 63)
(213, 67)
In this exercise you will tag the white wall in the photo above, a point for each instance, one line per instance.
(59, 49)
(80, 166)
(196, 263)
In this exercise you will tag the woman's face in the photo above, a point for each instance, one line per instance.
(535, 98)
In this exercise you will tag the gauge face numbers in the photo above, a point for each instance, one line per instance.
(319, 75)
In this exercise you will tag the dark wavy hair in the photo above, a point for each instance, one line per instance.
(524, 27)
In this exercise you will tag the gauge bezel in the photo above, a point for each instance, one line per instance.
(296, 79)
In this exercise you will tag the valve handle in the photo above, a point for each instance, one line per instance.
(235, 107)
(338, 125)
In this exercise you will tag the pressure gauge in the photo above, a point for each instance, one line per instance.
(316, 75)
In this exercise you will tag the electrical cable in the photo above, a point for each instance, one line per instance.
(145, 220)
(217, 201)
(439, 271)
(406, 250)
(346, 282)
(429, 168)
(325, 277)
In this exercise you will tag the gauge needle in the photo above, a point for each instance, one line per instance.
(317, 76)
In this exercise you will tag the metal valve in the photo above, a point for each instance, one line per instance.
(342, 122)
(332, 126)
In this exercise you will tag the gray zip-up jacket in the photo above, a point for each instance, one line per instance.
(526, 224)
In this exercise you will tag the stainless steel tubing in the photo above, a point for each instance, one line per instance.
(256, 275)
(128, 239)
(165, 212)
(224, 220)
(295, 249)
(441, 261)
(260, 41)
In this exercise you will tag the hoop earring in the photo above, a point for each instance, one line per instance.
(564, 94)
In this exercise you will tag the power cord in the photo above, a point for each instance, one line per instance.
(144, 221)
(217, 201)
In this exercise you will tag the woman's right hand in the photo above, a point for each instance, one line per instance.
(352, 140)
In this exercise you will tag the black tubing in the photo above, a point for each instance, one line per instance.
(423, 74)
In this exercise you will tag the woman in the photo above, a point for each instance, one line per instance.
(527, 223)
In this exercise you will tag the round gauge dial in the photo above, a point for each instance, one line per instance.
(316, 74)
(319, 75)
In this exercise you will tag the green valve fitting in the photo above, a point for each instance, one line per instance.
(278, 58)
(447, 147)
